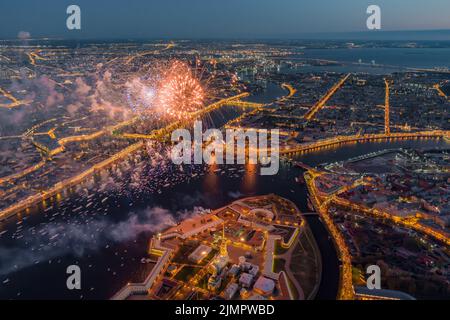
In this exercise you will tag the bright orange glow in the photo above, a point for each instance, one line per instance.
(180, 92)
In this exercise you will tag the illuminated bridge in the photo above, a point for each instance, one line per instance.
(387, 128)
(240, 103)
(164, 133)
(362, 138)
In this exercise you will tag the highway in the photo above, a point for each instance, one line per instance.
(321, 103)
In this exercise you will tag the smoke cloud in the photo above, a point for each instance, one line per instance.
(54, 239)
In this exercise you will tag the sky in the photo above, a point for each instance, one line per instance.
(237, 19)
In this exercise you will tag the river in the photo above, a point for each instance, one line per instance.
(107, 264)
(387, 60)
(108, 238)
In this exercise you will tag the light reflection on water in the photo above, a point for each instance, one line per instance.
(108, 266)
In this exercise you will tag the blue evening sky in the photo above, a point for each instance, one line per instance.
(215, 18)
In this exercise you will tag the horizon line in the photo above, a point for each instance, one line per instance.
(307, 35)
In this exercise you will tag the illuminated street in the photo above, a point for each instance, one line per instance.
(193, 151)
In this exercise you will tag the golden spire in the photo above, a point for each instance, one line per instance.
(223, 245)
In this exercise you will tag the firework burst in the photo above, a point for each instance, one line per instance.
(180, 93)
(169, 90)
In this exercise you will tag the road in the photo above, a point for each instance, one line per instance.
(321, 103)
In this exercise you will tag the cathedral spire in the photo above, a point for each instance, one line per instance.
(223, 245)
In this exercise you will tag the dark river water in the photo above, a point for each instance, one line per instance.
(106, 233)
